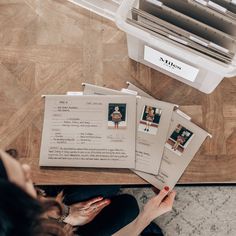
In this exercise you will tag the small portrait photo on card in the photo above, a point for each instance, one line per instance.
(150, 120)
(117, 115)
(179, 139)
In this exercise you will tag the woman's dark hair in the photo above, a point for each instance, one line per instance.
(22, 215)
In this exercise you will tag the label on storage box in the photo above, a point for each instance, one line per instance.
(170, 64)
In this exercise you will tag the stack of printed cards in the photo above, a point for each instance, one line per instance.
(101, 127)
(166, 139)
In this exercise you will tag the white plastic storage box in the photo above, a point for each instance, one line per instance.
(188, 66)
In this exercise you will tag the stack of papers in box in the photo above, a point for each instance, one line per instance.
(108, 128)
(207, 27)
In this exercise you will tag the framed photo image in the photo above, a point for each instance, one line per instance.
(117, 115)
(179, 139)
(150, 120)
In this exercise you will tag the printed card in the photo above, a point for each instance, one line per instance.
(150, 120)
(179, 139)
(117, 115)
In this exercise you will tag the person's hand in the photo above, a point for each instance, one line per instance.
(159, 204)
(84, 212)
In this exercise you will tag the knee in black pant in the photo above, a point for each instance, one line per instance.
(122, 210)
(129, 206)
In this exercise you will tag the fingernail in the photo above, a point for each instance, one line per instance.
(166, 188)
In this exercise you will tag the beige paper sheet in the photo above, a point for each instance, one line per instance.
(226, 7)
(78, 131)
(172, 164)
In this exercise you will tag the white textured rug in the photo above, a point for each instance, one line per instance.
(203, 211)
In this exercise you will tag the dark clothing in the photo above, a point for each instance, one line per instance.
(3, 172)
(121, 211)
(75, 194)
(151, 230)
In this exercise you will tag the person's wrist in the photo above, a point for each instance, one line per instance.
(68, 220)
(65, 213)
(140, 223)
(144, 218)
(73, 221)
